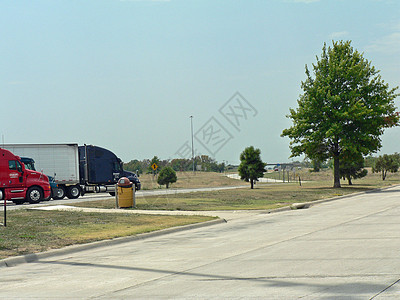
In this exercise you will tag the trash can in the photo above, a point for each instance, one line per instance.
(124, 193)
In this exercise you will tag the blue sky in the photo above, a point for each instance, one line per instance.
(127, 75)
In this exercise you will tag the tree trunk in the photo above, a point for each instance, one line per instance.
(336, 172)
(252, 183)
(349, 179)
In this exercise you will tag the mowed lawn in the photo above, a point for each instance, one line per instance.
(190, 180)
(32, 231)
(314, 186)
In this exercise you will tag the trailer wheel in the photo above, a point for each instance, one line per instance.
(60, 193)
(73, 192)
(34, 195)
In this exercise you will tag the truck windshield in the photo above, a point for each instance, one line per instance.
(30, 166)
(117, 167)
(29, 163)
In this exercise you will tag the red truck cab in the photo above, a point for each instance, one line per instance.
(19, 184)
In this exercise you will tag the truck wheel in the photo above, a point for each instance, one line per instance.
(34, 195)
(60, 193)
(73, 192)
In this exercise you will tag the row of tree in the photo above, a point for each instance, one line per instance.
(387, 163)
(353, 167)
(201, 163)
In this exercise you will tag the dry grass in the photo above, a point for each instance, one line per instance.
(191, 180)
(315, 186)
(30, 231)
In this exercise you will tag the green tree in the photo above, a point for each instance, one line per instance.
(154, 160)
(180, 164)
(387, 163)
(352, 167)
(370, 161)
(317, 165)
(345, 107)
(133, 166)
(251, 166)
(167, 176)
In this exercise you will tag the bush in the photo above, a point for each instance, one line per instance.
(167, 176)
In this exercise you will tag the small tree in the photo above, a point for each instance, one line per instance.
(387, 163)
(251, 166)
(154, 160)
(317, 164)
(167, 176)
(352, 167)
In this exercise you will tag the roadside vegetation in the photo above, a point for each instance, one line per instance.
(314, 186)
(32, 231)
(187, 180)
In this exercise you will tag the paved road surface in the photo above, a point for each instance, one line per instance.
(348, 248)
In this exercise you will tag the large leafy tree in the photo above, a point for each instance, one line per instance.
(345, 107)
(251, 166)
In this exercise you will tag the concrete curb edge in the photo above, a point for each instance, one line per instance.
(311, 203)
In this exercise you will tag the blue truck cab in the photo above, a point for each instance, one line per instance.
(99, 166)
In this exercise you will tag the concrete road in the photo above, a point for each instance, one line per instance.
(343, 249)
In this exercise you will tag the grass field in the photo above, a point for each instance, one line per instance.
(314, 186)
(32, 231)
(190, 180)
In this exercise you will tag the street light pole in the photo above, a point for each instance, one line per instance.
(191, 126)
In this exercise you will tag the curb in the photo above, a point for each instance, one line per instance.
(28, 258)
(304, 205)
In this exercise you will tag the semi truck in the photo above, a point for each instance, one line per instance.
(76, 169)
(19, 184)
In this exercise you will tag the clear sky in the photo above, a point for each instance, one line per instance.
(128, 74)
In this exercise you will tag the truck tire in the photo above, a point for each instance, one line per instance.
(60, 193)
(34, 195)
(73, 192)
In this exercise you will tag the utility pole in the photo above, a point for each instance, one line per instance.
(191, 126)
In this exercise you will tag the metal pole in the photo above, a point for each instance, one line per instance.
(116, 196)
(191, 126)
(134, 196)
(5, 211)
